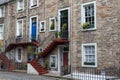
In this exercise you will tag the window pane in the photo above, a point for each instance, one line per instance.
(89, 15)
(89, 52)
(19, 54)
(1, 31)
(53, 61)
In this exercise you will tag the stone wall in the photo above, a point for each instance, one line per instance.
(106, 35)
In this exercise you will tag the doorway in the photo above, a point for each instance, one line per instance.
(33, 29)
(64, 22)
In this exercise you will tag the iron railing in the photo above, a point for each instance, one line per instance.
(63, 34)
(106, 73)
(21, 39)
(20, 65)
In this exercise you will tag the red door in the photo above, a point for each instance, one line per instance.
(65, 58)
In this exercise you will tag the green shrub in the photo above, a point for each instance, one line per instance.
(85, 25)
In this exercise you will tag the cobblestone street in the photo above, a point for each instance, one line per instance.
(23, 76)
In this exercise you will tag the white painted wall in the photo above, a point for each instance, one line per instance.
(31, 70)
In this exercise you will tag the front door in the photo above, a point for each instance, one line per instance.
(65, 58)
(34, 29)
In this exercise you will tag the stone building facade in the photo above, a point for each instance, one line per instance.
(97, 45)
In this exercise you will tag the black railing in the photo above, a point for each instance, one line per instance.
(106, 73)
(63, 34)
(20, 66)
(21, 39)
(65, 70)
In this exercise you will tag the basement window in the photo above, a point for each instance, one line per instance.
(53, 61)
(89, 55)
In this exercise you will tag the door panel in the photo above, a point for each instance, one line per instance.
(33, 33)
(65, 58)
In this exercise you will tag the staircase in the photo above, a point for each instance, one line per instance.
(9, 66)
(38, 67)
(49, 45)
(52, 45)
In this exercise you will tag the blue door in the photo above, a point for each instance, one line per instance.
(33, 33)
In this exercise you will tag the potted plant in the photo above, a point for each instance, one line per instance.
(65, 68)
(64, 26)
(85, 25)
(46, 64)
(64, 32)
(57, 34)
(36, 54)
(52, 27)
(29, 49)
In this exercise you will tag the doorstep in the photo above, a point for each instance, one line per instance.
(52, 73)
(56, 74)
(21, 71)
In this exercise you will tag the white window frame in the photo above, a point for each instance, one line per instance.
(83, 15)
(40, 49)
(18, 8)
(1, 38)
(17, 54)
(50, 21)
(83, 54)
(55, 61)
(44, 25)
(17, 28)
(59, 22)
(2, 15)
(31, 4)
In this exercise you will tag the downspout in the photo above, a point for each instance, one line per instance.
(27, 20)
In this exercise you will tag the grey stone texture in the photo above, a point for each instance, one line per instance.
(107, 34)
(24, 76)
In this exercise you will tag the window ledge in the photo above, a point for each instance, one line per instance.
(19, 11)
(92, 29)
(32, 7)
(42, 31)
(1, 39)
(52, 30)
(2, 17)
(92, 66)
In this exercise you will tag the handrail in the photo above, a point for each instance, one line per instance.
(20, 39)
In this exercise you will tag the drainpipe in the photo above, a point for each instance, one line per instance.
(27, 19)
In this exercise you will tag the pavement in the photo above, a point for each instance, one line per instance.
(23, 76)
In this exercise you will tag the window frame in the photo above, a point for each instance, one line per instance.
(17, 31)
(1, 38)
(40, 49)
(17, 54)
(33, 6)
(22, 9)
(83, 15)
(83, 54)
(50, 22)
(41, 26)
(55, 61)
(2, 15)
